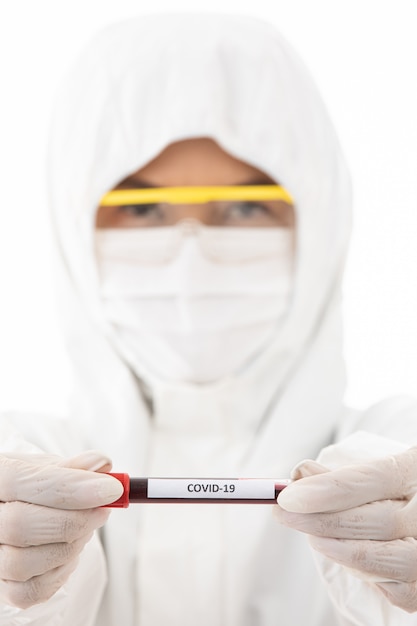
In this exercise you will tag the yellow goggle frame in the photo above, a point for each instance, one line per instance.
(195, 195)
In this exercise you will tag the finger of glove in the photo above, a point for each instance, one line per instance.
(55, 486)
(23, 524)
(37, 589)
(393, 560)
(383, 520)
(92, 460)
(21, 564)
(403, 595)
(393, 477)
(33, 458)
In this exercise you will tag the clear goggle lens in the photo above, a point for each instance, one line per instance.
(159, 246)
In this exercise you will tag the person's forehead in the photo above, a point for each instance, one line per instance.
(195, 162)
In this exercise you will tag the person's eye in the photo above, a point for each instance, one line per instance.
(257, 213)
(246, 210)
(141, 210)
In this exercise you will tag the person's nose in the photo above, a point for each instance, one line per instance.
(200, 212)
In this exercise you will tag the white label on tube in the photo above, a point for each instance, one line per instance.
(212, 488)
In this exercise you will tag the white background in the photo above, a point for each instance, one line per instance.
(363, 55)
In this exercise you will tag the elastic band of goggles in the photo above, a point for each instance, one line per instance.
(195, 195)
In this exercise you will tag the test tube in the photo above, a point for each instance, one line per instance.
(198, 490)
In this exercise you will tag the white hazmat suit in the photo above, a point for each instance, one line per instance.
(141, 85)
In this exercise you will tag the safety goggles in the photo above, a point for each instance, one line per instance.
(195, 195)
(242, 206)
(158, 246)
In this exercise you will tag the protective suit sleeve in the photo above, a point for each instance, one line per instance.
(394, 418)
(28, 432)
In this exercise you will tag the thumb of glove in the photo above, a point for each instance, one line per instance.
(307, 468)
(91, 460)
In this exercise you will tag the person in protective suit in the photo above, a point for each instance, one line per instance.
(201, 213)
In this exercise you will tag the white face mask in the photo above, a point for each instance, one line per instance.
(194, 303)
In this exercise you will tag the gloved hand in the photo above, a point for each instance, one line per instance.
(362, 516)
(47, 515)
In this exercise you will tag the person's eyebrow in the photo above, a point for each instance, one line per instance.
(134, 183)
(137, 183)
(258, 181)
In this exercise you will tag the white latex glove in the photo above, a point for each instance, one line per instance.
(363, 517)
(47, 515)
